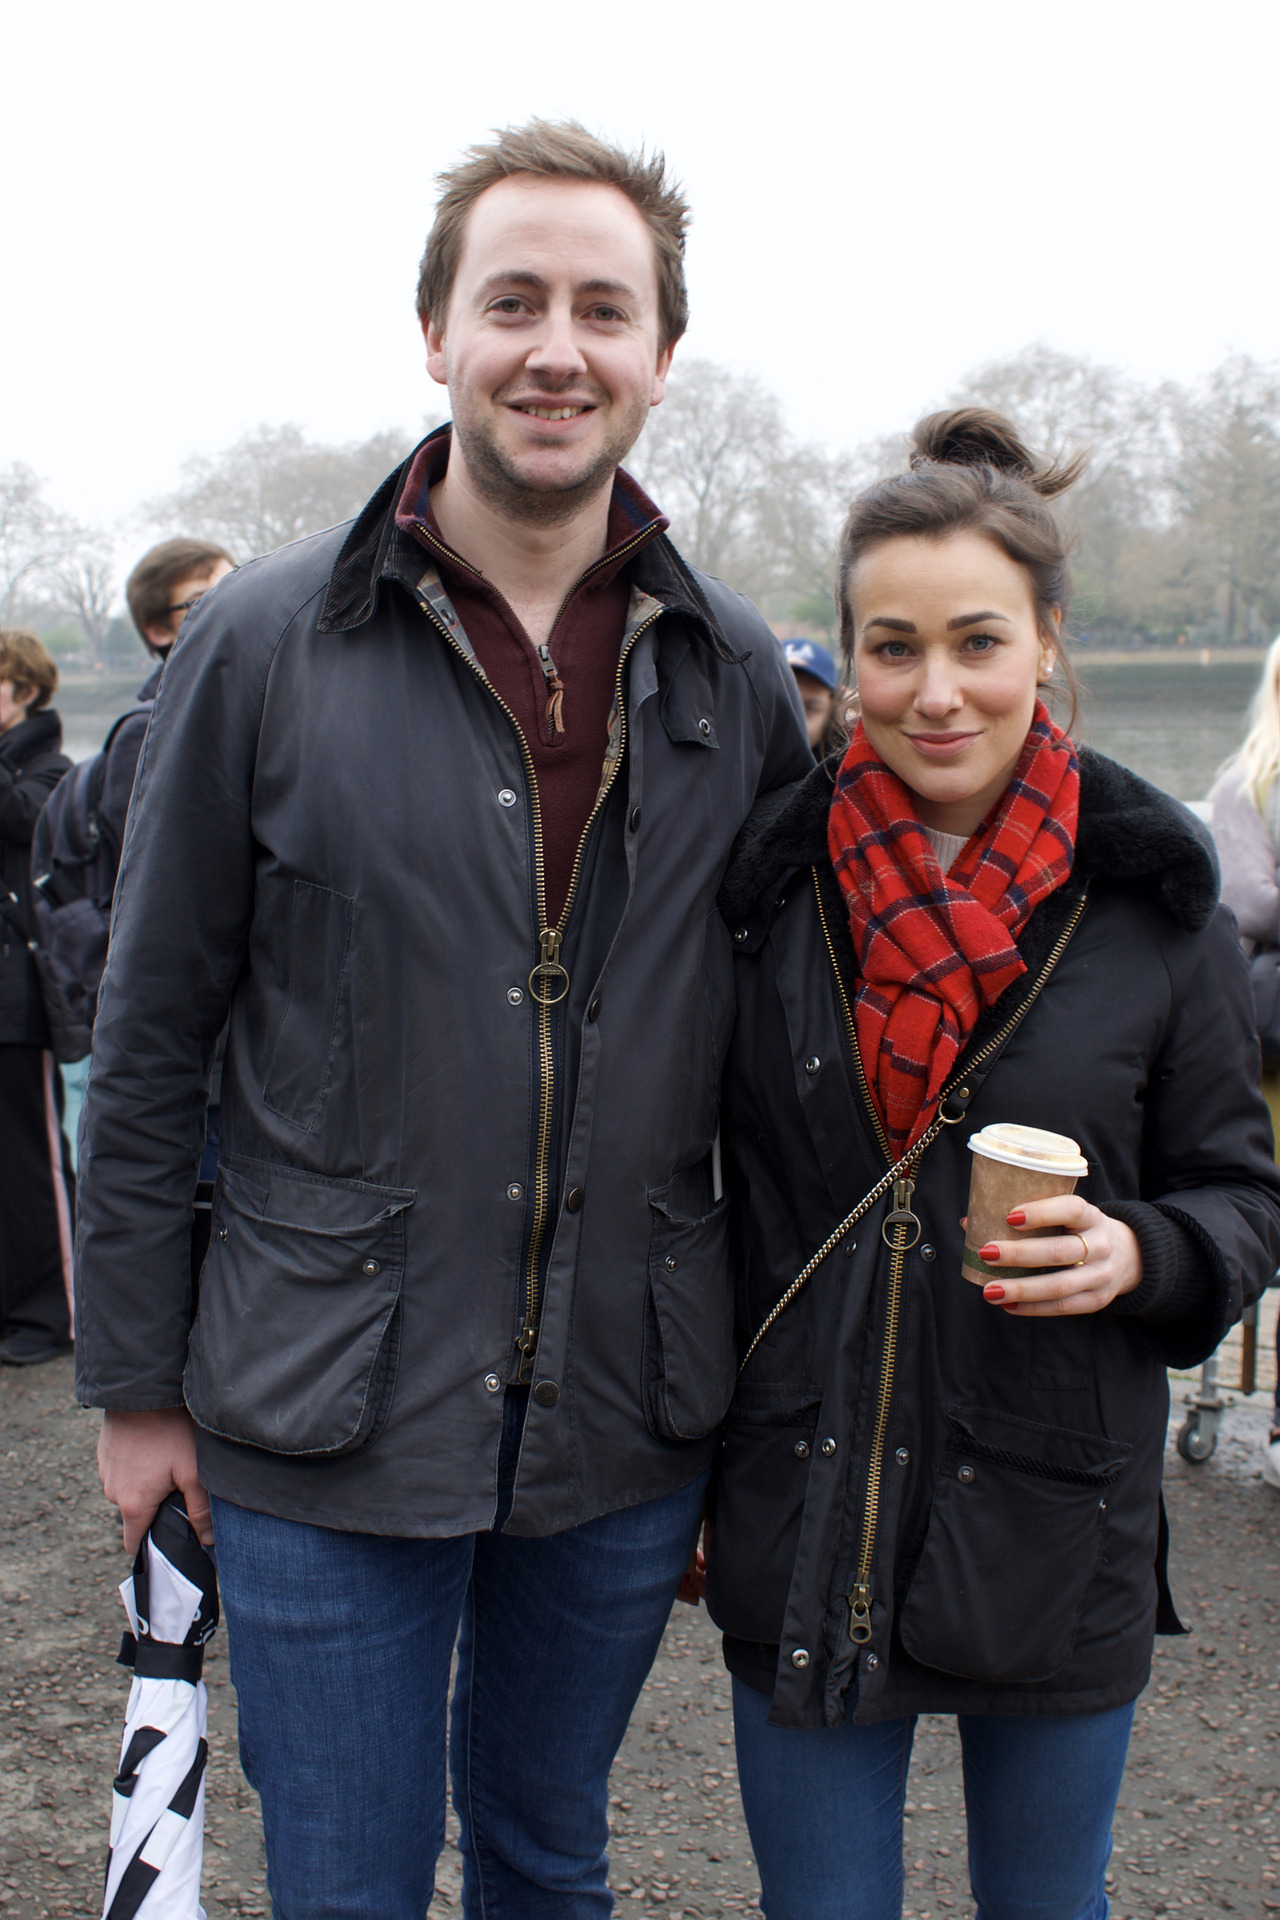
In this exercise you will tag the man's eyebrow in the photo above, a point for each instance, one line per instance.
(525, 277)
(972, 619)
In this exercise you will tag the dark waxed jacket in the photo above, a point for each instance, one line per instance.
(31, 764)
(994, 1481)
(332, 835)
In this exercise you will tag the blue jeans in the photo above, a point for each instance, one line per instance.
(824, 1809)
(340, 1646)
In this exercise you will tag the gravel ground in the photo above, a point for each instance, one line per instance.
(1198, 1831)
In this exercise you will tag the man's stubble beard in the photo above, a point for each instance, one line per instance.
(542, 504)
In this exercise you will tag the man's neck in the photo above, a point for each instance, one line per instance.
(534, 568)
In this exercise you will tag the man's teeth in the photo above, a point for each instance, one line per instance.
(553, 413)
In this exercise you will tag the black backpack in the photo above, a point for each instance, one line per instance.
(75, 857)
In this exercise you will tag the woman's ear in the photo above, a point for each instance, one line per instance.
(1049, 646)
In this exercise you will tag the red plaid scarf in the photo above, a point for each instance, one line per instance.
(933, 948)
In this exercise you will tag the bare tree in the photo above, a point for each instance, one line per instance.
(32, 538)
(746, 501)
(1226, 484)
(274, 486)
(86, 581)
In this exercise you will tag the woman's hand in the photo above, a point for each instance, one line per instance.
(1114, 1265)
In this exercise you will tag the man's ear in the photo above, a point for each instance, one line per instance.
(660, 374)
(435, 349)
(158, 636)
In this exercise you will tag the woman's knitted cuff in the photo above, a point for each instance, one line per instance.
(1177, 1278)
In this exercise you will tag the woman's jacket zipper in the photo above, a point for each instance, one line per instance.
(548, 980)
(859, 1597)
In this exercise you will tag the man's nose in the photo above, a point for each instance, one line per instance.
(556, 351)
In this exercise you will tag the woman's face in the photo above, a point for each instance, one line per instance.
(948, 655)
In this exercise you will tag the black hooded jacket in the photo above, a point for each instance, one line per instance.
(946, 1507)
(31, 764)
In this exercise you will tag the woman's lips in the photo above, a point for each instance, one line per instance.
(940, 746)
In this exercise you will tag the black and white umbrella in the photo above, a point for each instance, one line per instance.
(157, 1805)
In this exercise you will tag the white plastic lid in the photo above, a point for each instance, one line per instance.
(1029, 1147)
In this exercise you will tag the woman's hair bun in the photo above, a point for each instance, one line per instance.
(981, 437)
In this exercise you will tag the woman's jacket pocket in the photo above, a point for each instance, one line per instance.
(687, 1360)
(1015, 1536)
(295, 1343)
(757, 1504)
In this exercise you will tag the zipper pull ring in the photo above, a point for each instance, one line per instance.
(901, 1217)
(549, 983)
(526, 1347)
(860, 1615)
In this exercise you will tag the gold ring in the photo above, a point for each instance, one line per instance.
(1084, 1247)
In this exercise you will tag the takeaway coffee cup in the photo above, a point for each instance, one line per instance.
(1012, 1165)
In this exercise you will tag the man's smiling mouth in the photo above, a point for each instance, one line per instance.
(550, 413)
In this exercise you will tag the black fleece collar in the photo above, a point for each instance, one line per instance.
(1128, 830)
(38, 733)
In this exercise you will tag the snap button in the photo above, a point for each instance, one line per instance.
(670, 1263)
(812, 1064)
(515, 995)
(902, 1457)
(634, 822)
(740, 935)
(928, 1253)
(506, 797)
(574, 1202)
(802, 1449)
(828, 1446)
(546, 1393)
(515, 1191)
(492, 1384)
(222, 1233)
(800, 1658)
(704, 728)
(967, 1476)
(850, 1246)
(593, 1011)
(873, 1659)
(371, 1267)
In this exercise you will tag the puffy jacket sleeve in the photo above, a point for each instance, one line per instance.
(183, 904)
(1209, 1216)
(1248, 860)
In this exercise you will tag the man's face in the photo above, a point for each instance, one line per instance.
(551, 347)
(163, 632)
(818, 702)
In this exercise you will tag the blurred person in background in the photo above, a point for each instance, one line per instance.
(1245, 817)
(35, 1177)
(818, 683)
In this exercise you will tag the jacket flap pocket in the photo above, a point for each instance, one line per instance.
(1015, 1536)
(1054, 1453)
(688, 1357)
(307, 1202)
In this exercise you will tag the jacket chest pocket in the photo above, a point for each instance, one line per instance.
(687, 1359)
(295, 1344)
(1014, 1539)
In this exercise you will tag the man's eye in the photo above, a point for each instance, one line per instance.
(607, 313)
(508, 304)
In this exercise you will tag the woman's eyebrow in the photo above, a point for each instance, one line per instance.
(894, 626)
(972, 619)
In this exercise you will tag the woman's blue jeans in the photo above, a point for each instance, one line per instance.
(824, 1809)
(340, 1647)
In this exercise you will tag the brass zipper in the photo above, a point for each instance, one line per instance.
(548, 982)
(860, 1592)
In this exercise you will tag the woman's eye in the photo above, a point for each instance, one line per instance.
(982, 642)
(893, 650)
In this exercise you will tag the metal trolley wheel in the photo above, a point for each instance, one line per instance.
(1197, 1437)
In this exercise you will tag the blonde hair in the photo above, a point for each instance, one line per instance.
(1258, 758)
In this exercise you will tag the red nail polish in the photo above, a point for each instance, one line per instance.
(1017, 1218)
(990, 1252)
(993, 1293)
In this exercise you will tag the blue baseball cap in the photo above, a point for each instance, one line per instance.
(807, 656)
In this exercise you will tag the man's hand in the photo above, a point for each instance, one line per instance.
(142, 1457)
(693, 1581)
(1096, 1259)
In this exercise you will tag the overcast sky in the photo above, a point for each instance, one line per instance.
(212, 215)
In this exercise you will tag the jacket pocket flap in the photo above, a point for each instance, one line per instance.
(1051, 1453)
(308, 1203)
